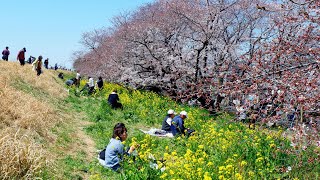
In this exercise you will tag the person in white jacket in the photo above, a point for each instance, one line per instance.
(91, 85)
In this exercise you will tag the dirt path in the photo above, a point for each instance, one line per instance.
(87, 144)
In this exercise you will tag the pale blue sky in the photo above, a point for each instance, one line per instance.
(53, 28)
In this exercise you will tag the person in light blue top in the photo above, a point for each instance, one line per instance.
(115, 149)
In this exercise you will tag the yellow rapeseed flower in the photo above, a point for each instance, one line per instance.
(163, 176)
(210, 163)
(171, 172)
(251, 173)
(207, 176)
(174, 153)
(260, 159)
(272, 145)
(243, 163)
(238, 176)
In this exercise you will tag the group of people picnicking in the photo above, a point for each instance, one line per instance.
(112, 155)
(36, 63)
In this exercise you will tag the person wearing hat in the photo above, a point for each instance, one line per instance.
(178, 123)
(167, 121)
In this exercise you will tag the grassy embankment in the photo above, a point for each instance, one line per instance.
(38, 129)
(219, 149)
(41, 130)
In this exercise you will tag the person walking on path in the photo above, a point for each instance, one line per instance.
(46, 63)
(21, 56)
(5, 54)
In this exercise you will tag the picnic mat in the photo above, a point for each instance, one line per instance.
(157, 132)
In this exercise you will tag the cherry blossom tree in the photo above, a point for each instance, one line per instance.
(260, 53)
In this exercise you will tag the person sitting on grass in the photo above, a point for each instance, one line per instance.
(178, 125)
(114, 152)
(113, 100)
(60, 75)
(167, 121)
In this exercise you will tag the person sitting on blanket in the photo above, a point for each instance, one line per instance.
(115, 150)
(166, 123)
(178, 125)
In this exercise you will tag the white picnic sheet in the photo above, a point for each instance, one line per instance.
(157, 132)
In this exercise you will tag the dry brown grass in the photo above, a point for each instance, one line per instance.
(25, 120)
(45, 82)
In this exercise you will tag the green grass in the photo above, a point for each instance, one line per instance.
(235, 151)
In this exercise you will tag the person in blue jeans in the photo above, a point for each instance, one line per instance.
(115, 149)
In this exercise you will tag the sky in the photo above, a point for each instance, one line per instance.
(53, 28)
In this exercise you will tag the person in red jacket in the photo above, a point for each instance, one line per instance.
(21, 56)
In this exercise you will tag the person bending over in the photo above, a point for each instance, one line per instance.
(113, 100)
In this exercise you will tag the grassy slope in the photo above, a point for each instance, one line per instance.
(38, 129)
(232, 151)
(56, 122)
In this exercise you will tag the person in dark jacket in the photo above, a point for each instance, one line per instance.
(5, 54)
(21, 56)
(38, 65)
(167, 121)
(178, 125)
(60, 75)
(46, 63)
(31, 59)
(113, 100)
(100, 83)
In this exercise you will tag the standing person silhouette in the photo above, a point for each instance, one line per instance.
(37, 65)
(46, 63)
(5, 54)
(100, 83)
(21, 56)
